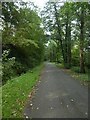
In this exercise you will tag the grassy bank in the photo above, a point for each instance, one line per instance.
(16, 91)
(79, 76)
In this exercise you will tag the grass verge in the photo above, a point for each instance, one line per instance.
(15, 93)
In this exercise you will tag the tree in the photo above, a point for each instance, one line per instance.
(52, 24)
(69, 25)
(82, 13)
(22, 35)
(51, 50)
(66, 17)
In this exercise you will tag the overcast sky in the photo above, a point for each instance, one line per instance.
(39, 3)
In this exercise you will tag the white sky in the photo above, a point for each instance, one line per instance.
(39, 3)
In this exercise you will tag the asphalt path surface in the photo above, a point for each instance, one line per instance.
(57, 95)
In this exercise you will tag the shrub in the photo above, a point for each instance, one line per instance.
(75, 61)
(7, 66)
(11, 67)
(76, 69)
(19, 68)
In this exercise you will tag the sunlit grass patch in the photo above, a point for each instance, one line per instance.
(16, 91)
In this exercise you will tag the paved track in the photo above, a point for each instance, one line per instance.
(58, 96)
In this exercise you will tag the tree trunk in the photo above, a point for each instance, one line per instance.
(68, 43)
(59, 32)
(69, 46)
(82, 66)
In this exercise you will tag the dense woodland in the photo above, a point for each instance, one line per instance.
(69, 28)
(59, 33)
(23, 38)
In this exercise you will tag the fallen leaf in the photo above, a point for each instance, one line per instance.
(37, 108)
(86, 113)
(29, 95)
(72, 100)
(31, 104)
(26, 116)
(67, 106)
(51, 108)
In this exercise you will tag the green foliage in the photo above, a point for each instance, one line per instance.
(50, 51)
(19, 68)
(75, 55)
(23, 35)
(10, 67)
(60, 65)
(76, 69)
(69, 24)
(7, 66)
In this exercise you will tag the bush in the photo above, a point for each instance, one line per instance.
(19, 68)
(11, 67)
(75, 61)
(7, 70)
(7, 64)
(76, 69)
